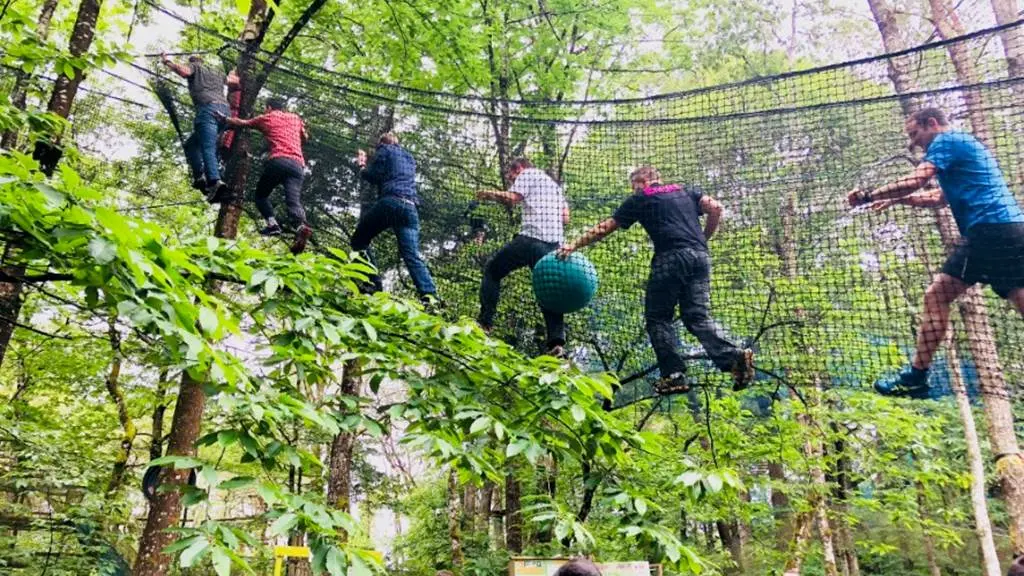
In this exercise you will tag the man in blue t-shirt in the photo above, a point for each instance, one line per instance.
(989, 219)
(680, 274)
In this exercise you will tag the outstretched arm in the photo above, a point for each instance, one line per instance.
(924, 172)
(927, 198)
(180, 69)
(712, 210)
(239, 122)
(596, 233)
(506, 198)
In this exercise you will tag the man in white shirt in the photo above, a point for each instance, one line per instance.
(545, 215)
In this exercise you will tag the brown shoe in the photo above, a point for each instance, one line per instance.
(743, 370)
(675, 383)
(302, 235)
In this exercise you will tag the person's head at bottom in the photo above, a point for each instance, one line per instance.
(444, 573)
(1017, 568)
(578, 567)
(275, 103)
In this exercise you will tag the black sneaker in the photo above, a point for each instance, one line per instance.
(302, 235)
(431, 303)
(217, 192)
(743, 370)
(271, 230)
(904, 385)
(200, 183)
(674, 383)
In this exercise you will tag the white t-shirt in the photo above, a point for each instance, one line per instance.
(543, 202)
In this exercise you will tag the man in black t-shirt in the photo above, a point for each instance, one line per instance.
(680, 274)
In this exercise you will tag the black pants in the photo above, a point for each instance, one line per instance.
(288, 173)
(521, 252)
(683, 277)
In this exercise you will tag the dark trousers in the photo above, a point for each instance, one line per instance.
(288, 173)
(201, 146)
(683, 277)
(521, 252)
(400, 215)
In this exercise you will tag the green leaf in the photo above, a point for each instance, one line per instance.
(208, 320)
(358, 566)
(578, 414)
(335, 562)
(243, 7)
(713, 482)
(102, 251)
(284, 524)
(641, 506)
(237, 482)
(270, 288)
(194, 553)
(688, 478)
(221, 562)
(480, 424)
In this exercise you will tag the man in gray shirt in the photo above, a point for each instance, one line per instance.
(206, 86)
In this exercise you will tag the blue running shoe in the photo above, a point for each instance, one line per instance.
(905, 385)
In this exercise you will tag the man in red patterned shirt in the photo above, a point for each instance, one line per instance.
(285, 133)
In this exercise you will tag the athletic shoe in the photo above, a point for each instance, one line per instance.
(743, 370)
(302, 235)
(674, 383)
(199, 183)
(557, 351)
(217, 192)
(431, 303)
(271, 230)
(904, 385)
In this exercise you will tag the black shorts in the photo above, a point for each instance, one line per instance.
(991, 254)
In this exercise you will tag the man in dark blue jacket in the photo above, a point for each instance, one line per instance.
(393, 171)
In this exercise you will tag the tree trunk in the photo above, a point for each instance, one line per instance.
(188, 412)
(64, 90)
(847, 546)
(339, 481)
(929, 542)
(780, 507)
(127, 426)
(156, 443)
(1006, 12)
(729, 532)
(19, 93)
(982, 524)
(798, 547)
(66, 87)
(948, 26)
(980, 338)
(893, 41)
(513, 516)
(454, 533)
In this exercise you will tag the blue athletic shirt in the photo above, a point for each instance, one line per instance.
(971, 181)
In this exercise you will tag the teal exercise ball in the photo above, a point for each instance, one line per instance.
(564, 285)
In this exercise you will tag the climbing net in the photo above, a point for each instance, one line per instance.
(824, 293)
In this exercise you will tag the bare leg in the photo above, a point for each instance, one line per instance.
(1017, 299)
(943, 291)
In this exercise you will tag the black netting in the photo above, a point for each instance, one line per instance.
(821, 292)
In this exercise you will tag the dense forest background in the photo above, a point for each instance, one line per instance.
(145, 333)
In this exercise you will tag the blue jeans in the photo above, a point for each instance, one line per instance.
(400, 215)
(201, 146)
(682, 278)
